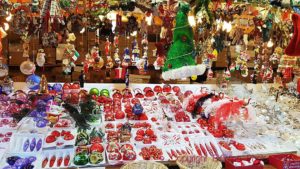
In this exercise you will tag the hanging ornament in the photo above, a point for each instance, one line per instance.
(99, 63)
(143, 64)
(116, 41)
(33, 82)
(107, 47)
(275, 57)
(160, 54)
(70, 55)
(266, 73)
(210, 74)
(40, 58)
(135, 51)
(27, 67)
(227, 75)
(232, 67)
(126, 57)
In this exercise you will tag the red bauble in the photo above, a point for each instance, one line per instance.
(143, 117)
(140, 132)
(96, 148)
(167, 88)
(139, 138)
(176, 89)
(120, 115)
(149, 132)
(147, 89)
(158, 89)
(75, 86)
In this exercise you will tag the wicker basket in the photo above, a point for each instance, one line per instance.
(144, 165)
(197, 162)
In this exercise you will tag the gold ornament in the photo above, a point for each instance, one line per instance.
(194, 77)
(43, 85)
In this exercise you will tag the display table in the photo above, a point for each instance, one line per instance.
(161, 129)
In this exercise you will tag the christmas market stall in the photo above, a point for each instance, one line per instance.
(149, 84)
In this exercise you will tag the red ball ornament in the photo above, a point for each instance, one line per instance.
(158, 89)
(120, 115)
(176, 89)
(184, 38)
(167, 88)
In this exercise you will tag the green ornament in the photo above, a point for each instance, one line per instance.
(104, 92)
(96, 158)
(82, 138)
(96, 136)
(81, 159)
(94, 91)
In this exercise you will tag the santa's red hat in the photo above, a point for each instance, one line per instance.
(293, 49)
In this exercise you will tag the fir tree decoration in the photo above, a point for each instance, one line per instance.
(80, 119)
(180, 61)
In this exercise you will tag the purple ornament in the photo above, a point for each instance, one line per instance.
(12, 160)
(31, 159)
(39, 144)
(57, 87)
(42, 123)
(9, 167)
(33, 113)
(26, 145)
(137, 109)
(21, 162)
(41, 106)
(32, 144)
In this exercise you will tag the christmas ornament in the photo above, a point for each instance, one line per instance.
(210, 74)
(40, 58)
(160, 54)
(33, 82)
(180, 61)
(143, 64)
(135, 51)
(43, 89)
(27, 67)
(194, 77)
(107, 47)
(70, 55)
(94, 91)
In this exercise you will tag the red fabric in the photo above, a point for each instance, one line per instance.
(227, 110)
(293, 49)
(298, 85)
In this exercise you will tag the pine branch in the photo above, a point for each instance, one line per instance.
(80, 119)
